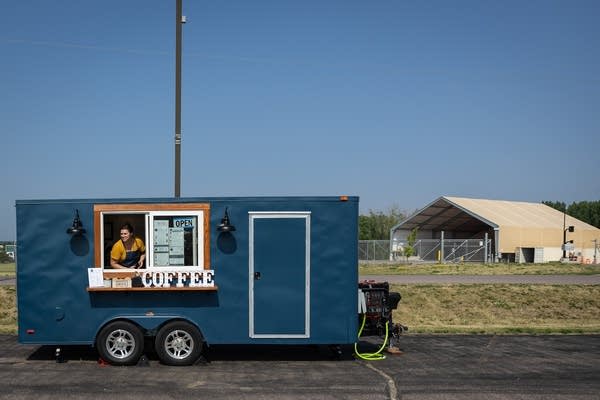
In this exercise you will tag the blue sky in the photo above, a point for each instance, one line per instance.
(397, 102)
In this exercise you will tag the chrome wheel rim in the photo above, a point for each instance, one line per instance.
(179, 344)
(120, 344)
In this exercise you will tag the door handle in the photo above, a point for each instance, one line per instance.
(257, 276)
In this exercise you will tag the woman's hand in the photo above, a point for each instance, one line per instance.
(140, 263)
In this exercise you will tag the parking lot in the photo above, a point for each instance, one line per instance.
(438, 367)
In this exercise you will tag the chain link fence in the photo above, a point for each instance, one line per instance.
(428, 250)
(374, 250)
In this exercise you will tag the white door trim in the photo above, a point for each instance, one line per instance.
(252, 215)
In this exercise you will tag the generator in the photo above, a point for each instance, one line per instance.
(376, 304)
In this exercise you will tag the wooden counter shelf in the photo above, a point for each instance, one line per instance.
(154, 289)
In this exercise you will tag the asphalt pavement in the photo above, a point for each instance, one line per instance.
(5, 281)
(431, 367)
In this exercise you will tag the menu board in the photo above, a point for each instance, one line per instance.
(161, 242)
(176, 253)
(169, 241)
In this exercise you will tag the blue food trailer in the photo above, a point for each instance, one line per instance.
(226, 270)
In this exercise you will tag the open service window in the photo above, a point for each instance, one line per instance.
(167, 235)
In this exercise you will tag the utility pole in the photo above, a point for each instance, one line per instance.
(570, 228)
(180, 20)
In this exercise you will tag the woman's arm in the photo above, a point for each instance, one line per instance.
(115, 264)
(140, 263)
(142, 251)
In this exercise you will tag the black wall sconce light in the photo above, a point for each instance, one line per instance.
(225, 225)
(77, 227)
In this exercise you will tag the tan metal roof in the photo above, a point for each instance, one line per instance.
(517, 213)
(517, 224)
(444, 215)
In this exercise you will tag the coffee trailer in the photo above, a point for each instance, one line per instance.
(224, 270)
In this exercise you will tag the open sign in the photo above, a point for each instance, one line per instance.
(184, 222)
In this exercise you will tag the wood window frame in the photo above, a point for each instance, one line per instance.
(143, 207)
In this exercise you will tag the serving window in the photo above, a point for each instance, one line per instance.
(174, 235)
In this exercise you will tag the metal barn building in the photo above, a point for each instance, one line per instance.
(463, 229)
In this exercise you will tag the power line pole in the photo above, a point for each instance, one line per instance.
(180, 20)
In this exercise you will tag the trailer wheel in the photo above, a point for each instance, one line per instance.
(120, 343)
(178, 343)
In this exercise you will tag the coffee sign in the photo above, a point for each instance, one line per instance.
(178, 278)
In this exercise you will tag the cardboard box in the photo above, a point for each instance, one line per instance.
(121, 282)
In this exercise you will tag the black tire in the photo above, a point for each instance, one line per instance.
(120, 343)
(178, 343)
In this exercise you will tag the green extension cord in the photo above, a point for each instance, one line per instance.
(371, 356)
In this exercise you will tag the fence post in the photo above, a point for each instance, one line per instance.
(442, 248)
(485, 249)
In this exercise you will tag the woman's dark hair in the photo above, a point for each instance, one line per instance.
(127, 226)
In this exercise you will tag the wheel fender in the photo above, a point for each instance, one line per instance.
(174, 319)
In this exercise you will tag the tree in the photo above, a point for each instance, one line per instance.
(557, 205)
(586, 211)
(409, 249)
(377, 224)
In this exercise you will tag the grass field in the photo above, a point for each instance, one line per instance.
(463, 309)
(458, 309)
(8, 310)
(7, 269)
(497, 309)
(448, 269)
(479, 269)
